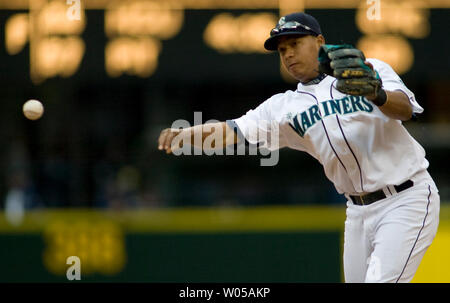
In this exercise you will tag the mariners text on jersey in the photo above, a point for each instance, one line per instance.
(347, 105)
(360, 148)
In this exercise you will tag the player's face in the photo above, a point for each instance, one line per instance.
(299, 55)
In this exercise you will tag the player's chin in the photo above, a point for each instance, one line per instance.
(297, 76)
(291, 72)
(296, 72)
(294, 68)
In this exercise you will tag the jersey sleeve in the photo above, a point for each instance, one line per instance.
(392, 81)
(257, 127)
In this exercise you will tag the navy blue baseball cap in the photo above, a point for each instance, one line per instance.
(293, 24)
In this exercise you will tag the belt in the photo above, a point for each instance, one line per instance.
(379, 194)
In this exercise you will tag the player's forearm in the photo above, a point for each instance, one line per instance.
(205, 136)
(219, 135)
(397, 106)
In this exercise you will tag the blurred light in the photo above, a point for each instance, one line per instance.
(58, 56)
(160, 19)
(394, 50)
(16, 33)
(245, 34)
(133, 56)
(55, 48)
(404, 17)
(244, 4)
(163, 19)
(233, 4)
(15, 206)
(52, 19)
(291, 6)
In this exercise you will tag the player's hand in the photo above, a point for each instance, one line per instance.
(166, 139)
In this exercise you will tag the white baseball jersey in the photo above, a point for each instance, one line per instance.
(360, 148)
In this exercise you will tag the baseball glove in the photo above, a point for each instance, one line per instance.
(347, 65)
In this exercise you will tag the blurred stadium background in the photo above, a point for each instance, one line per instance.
(87, 179)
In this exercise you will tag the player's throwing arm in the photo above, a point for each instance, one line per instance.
(171, 139)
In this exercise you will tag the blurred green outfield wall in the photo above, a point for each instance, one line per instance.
(264, 244)
(258, 244)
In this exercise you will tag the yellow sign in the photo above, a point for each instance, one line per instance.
(435, 266)
(99, 246)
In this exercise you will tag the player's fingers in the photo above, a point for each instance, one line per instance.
(161, 139)
(167, 140)
(175, 143)
(173, 134)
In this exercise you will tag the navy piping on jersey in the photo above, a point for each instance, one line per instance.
(418, 235)
(354, 156)
(331, 89)
(325, 129)
(346, 142)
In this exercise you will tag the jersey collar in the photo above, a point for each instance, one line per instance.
(316, 80)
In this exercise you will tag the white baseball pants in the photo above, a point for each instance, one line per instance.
(386, 240)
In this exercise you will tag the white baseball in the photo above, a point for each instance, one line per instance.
(33, 109)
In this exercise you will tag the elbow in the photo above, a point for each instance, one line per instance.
(403, 114)
(407, 115)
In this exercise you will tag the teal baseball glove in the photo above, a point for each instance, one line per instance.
(347, 64)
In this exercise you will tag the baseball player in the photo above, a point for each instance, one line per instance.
(347, 113)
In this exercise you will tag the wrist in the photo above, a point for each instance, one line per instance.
(380, 98)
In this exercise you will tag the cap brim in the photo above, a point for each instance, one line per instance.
(271, 44)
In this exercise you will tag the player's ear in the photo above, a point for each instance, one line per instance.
(320, 40)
